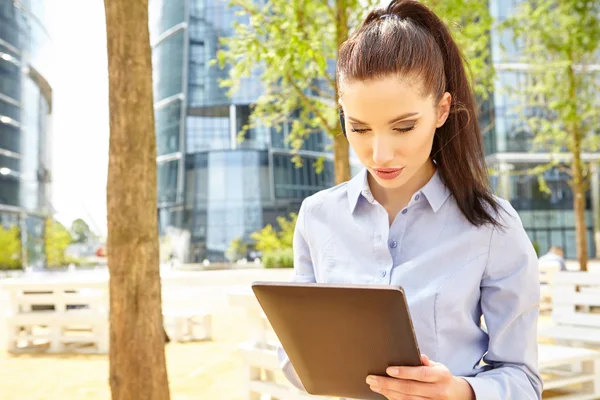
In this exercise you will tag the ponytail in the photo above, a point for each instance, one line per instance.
(407, 39)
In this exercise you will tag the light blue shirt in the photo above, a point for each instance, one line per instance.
(451, 272)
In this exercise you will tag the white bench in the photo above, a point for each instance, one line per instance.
(547, 271)
(575, 309)
(570, 373)
(259, 355)
(186, 313)
(55, 316)
(69, 312)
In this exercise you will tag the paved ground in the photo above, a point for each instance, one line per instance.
(203, 370)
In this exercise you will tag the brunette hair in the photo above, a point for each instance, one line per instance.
(408, 40)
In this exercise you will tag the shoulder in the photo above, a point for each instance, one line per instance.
(326, 199)
(509, 245)
(506, 215)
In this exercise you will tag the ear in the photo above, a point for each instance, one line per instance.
(443, 109)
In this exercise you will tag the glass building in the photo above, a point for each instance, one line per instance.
(210, 185)
(548, 218)
(25, 110)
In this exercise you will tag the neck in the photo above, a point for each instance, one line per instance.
(396, 199)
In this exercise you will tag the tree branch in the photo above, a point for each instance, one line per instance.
(307, 102)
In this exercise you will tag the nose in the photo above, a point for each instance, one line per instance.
(383, 150)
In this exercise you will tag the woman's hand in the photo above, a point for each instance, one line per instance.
(431, 381)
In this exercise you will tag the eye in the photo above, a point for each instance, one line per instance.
(360, 130)
(404, 130)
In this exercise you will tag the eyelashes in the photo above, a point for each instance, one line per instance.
(401, 130)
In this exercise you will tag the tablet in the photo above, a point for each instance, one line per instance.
(337, 335)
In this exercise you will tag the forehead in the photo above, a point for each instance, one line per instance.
(382, 95)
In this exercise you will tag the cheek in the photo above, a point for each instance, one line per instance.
(361, 145)
(419, 144)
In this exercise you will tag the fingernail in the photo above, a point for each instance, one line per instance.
(371, 380)
(392, 371)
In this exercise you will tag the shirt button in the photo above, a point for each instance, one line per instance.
(417, 197)
(383, 273)
(404, 211)
(393, 244)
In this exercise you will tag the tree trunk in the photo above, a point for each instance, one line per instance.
(341, 155)
(137, 357)
(341, 159)
(578, 185)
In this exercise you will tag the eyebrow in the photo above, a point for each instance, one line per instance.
(399, 118)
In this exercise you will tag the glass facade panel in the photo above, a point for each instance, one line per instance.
(9, 190)
(10, 138)
(225, 195)
(167, 61)
(34, 128)
(527, 195)
(549, 218)
(11, 163)
(228, 189)
(10, 80)
(11, 21)
(167, 181)
(208, 128)
(10, 110)
(25, 134)
(167, 120)
(164, 14)
(298, 183)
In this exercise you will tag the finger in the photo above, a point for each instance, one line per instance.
(427, 362)
(429, 374)
(403, 387)
(393, 395)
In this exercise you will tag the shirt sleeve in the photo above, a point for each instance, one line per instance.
(510, 295)
(303, 272)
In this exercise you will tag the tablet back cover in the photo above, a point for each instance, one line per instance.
(336, 335)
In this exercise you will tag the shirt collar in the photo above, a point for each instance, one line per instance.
(356, 187)
(435, 191)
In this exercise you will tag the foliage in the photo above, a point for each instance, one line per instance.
(282, 258)
(470, 23)
(10, 247)
(268, 240)
(276, 246)
(294, 45)
(536, 247)
(556, 95)
(58, 238)
(80, 231)
(237, 249)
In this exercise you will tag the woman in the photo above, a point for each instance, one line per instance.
(421, 215)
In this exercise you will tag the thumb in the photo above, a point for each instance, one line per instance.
(426, 361)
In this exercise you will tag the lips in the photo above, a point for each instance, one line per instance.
(387, 173)
(388, 170)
